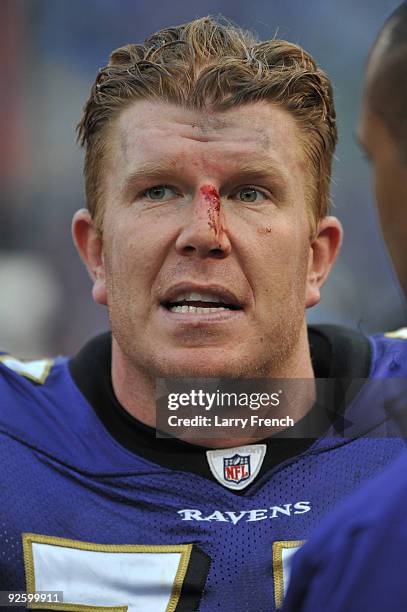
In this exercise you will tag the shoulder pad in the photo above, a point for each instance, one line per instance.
(398, 334)
(36, 371)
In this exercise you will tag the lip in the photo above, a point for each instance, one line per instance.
(220, 292)
(201, 320)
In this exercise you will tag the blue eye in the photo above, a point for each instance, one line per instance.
(250, 194)
(159, 193)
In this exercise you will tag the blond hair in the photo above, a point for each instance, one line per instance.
(211, 63)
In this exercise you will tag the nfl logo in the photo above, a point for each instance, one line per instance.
(236, 468)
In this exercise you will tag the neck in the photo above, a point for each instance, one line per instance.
(136, 392)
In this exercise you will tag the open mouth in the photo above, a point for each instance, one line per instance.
(199, 303)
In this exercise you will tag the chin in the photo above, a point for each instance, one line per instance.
(206, 364)
(198, 369)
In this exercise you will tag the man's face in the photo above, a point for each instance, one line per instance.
(390, 184)
(206, 239)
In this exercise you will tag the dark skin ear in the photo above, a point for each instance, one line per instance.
(89, 243)
(324, 249)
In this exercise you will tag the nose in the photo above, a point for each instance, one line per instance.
(204, 233)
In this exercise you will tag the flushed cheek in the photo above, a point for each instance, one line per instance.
(281, 238)
(133, 239)
(128, 268)
(278, 265)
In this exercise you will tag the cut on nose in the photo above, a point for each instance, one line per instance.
(204, 234)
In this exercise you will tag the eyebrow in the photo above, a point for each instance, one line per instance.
(262, 169)
(147, 172)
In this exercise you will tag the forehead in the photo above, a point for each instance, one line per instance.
(150, 131)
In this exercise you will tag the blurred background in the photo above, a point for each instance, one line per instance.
(51, 51)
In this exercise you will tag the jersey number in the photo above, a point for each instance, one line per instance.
(283, 552)
(133, 578)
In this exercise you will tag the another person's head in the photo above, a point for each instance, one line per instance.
(207, 171)
(383, 133)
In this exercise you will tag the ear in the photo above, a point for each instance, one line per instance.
(89, 243)
(324, 249)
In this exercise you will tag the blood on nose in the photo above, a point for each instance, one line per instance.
(209, 204)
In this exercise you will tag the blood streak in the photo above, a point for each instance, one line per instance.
(211, 199)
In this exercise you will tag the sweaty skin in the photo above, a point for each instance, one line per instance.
(211, 206)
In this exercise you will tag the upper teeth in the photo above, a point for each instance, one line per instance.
(197, 297)
(197, 310)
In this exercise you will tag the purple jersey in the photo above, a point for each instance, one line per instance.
(356, 560)
(95, 506)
